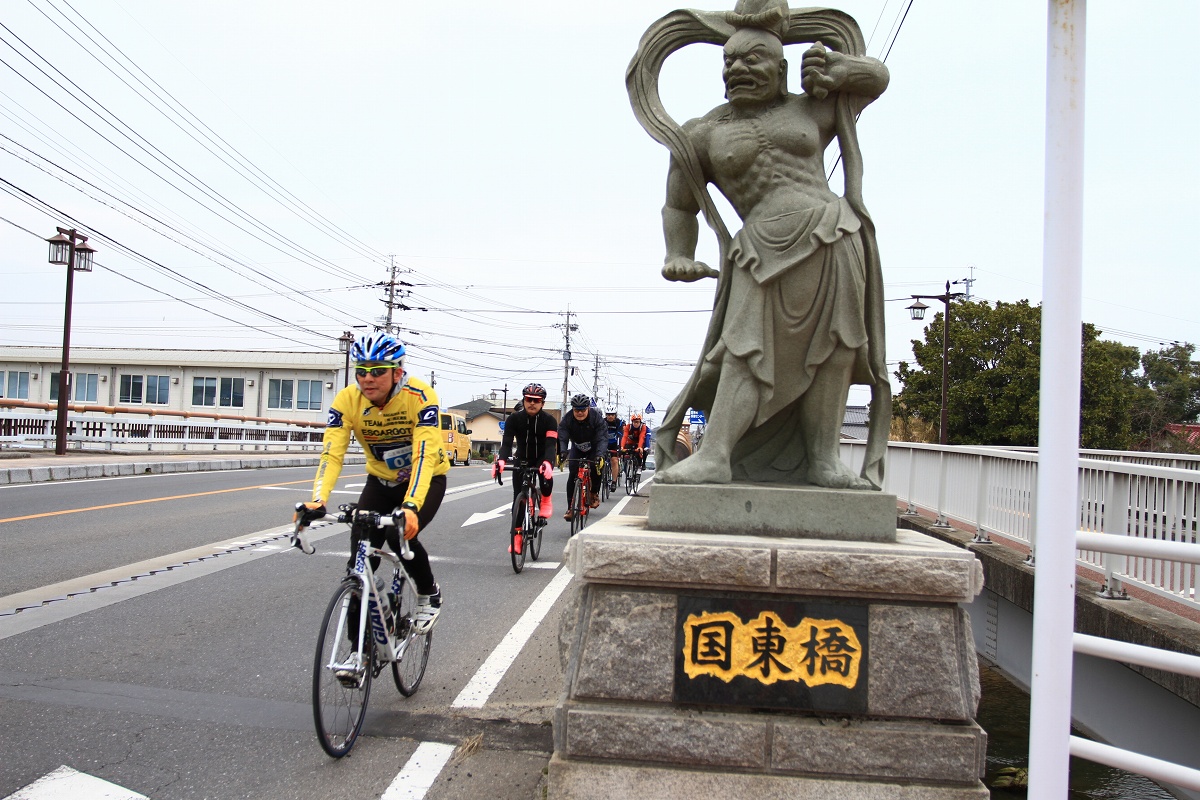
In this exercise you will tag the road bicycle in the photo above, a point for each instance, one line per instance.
(386, 631)
(525, 529)
(631, 472)
(579, 497)
(612, 469)
(606, 480)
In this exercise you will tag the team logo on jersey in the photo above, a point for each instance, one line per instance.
(335, 418)
(428, 418)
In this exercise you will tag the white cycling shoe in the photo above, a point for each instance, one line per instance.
(429, 608)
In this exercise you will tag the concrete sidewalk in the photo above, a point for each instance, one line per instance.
(18, 467)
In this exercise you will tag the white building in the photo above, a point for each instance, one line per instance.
(272, 385)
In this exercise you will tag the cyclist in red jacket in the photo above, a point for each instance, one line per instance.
(633, 440)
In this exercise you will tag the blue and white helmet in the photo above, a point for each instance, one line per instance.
(381, 348)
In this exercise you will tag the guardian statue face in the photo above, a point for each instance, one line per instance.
(755, 68)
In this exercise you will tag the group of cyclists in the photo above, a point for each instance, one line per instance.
(395, 417)
(582, 436)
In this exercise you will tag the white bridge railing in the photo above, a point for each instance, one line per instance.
(1143, 496)
(106, 432)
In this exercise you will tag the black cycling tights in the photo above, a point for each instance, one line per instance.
(385, 499)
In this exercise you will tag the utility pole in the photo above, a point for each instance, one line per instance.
(432, 379)
(567, 327)
(596, 379)
(388, 325)
(968, 282)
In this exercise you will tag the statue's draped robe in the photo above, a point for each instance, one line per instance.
(831, 252)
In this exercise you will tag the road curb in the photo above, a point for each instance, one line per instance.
(69, 472)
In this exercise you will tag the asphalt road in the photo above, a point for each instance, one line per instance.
(194, 680)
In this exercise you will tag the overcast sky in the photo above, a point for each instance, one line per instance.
(490, 148)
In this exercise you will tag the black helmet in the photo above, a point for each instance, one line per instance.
(580, 401)
(534, 390)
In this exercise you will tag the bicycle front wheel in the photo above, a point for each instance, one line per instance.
(516, 528)
(577, 506)
(533, 533)
(410, 669)
(340, 704)
(604, 476)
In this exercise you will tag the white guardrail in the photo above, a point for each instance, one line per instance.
(106, 432)
(1142, 496)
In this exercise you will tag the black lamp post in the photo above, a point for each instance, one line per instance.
(345, 342)
(917, 312)
(68, 248)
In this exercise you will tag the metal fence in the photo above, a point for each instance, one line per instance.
(99, 433)
(1142, 496)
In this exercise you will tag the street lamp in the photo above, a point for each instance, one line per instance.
(70, 249)
(917, 312)
(345, 342)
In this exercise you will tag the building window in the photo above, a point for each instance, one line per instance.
(233, 391)
(17, 387)
(131, 389)
(158, 389)
(279, 393)
(204, 391)
(308, 395)
(85, 386)
(230, 395)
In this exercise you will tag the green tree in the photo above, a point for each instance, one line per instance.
(995, 361)
(1170, 393)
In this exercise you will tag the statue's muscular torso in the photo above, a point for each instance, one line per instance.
(771, 161)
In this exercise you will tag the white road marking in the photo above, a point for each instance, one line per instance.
(65, 783)
(487, 677)
(485, 516)
(418, 775)
(542, 564)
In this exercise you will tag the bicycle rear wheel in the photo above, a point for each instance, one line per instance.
(636, 480)
(410, 669)
(604, 481)
(516, 528)
(339, 708)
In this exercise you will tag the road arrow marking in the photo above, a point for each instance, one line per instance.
(484, 516)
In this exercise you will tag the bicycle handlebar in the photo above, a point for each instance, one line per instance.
(350, 515)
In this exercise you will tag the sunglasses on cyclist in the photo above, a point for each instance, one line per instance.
(529, 399)
(374, 372)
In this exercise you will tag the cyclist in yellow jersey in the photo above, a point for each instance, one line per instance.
(394, 416)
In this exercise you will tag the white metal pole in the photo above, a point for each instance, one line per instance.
(1058, 424)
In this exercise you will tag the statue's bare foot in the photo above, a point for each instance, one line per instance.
(697, 469)
(835, 475)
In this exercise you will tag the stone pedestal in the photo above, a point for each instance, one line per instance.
(850, 670)
(774, 510)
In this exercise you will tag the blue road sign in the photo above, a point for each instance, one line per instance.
(649, 408)
(501, 424)
(696, 417)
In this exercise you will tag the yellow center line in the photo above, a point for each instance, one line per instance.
(160, 499)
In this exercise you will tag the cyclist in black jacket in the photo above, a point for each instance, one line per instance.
(533, 432)
(585, 429)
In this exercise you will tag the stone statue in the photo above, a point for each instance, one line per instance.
(798, 314)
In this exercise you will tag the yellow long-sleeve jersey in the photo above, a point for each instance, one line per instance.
(402, 440)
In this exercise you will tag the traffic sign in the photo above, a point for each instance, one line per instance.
(696, 417)
(649, 408)
(501, 424)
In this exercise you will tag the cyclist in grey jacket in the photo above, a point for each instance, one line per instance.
(587, 433)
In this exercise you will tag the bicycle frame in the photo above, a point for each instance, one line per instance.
(370, 618)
